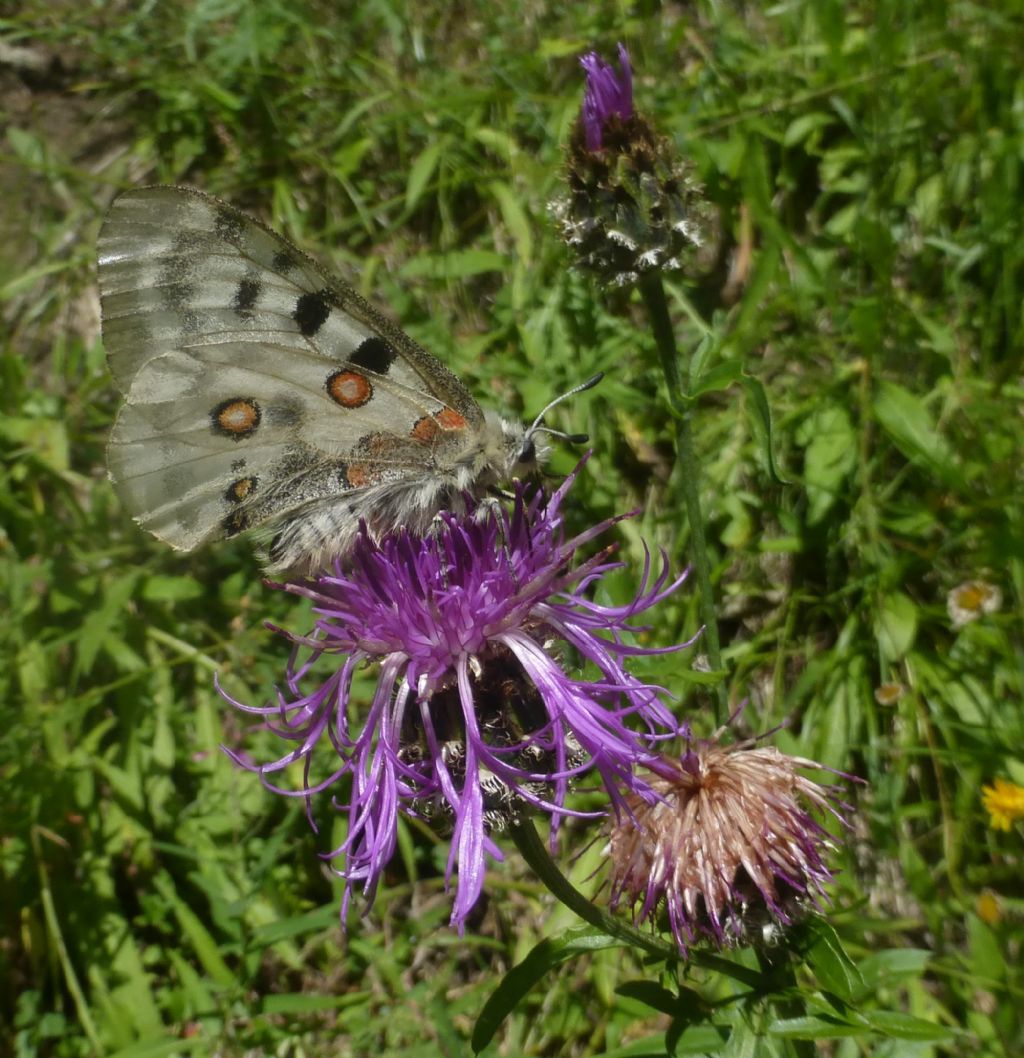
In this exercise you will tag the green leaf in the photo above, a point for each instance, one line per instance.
(125, 783)
(697, 1039)
(985, 950)
(896, 625)
(304, 1002)
(46, 439)
(194, 989)
(157, 1047)
(743, 1041)
(317, 921)
(650, 993)
(101, 621)
(457, 265)
(814, 1028)
(195, 933)
(515, 219)
(901, 1026)
(26, 146)
(420, 174)
(170, 589)
(833, 968)
(28, 277)
(520, 979)
(761, 418)
(830, 456)
(801, 127)
(907, 421)
(893, 964)
(717, 378)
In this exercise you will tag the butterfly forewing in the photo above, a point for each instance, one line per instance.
(176, 265)
(255, 383)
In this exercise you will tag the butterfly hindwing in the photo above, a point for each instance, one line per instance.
(207, 447)
(255, 383)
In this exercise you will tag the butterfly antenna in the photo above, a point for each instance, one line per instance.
(574, 438)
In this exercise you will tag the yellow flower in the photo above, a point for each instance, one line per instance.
(1004, 802)
(989, 907)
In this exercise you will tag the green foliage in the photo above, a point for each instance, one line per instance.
(857, 371)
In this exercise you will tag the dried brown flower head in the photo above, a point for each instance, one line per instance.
(731, 846)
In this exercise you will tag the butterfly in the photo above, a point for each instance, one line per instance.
(263, 393)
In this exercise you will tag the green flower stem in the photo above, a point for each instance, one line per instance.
(777, 968)
(532, 849)
(689, 471)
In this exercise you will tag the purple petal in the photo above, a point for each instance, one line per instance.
(606, 93)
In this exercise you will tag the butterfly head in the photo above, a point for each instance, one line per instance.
(533, 447)
(505, 453)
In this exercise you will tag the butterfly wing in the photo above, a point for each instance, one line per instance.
(255, 383)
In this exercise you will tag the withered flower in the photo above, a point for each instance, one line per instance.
(729, 848)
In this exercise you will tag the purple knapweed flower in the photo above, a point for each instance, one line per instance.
(475, 718)
(729, 848)
(606, 93)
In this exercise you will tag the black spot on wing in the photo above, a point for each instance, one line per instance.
(311, 312)
(236, 522)
(248, 293)
(284, 413)
(189, 244)
(374, 355)
(283, 262)
(176, 281)
(229, 225)
(179, 298)
(178, 295)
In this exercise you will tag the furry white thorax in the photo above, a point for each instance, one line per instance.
(308, 540)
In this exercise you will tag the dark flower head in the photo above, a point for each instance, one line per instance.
(475, 719)
(731, 845)
(607, 93)
(632, 205)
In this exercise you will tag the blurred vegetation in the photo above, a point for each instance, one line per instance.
(866, 164)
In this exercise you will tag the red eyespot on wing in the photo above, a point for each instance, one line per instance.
(240, 490)
(358, 475)
(450, 420)
(376, 446)
(236, 418)
(349, 389)
(427, 428)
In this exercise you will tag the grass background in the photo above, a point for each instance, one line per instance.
(865, 162)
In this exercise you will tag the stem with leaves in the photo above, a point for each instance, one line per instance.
(532, 849)
(653, 294)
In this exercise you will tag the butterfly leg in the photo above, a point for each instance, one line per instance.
(491, 506)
